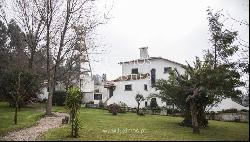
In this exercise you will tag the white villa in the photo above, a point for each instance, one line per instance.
(138, 76)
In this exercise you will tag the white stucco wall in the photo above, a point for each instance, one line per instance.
(128, 97)
(88, 96)
(87, 84)
(145, 67)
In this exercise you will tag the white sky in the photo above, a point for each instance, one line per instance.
(173, 29)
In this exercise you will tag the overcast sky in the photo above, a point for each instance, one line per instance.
(173, 29)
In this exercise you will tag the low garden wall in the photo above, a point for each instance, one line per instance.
(237, 117)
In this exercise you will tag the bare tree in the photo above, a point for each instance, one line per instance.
(63, 39)
(26, 14)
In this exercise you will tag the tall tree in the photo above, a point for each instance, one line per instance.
(208, 81)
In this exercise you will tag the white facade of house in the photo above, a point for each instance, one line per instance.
(144, 65)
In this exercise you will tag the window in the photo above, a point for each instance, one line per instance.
(128, 87)
(135, 71)
(97, 96)
(145, 87)
(153, 77)
(146, 104)
(97, 90)
(166, 69)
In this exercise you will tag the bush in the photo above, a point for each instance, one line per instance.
(59, 98)
(134, 109)
(29, 86)
(123, 106)
(101, 104)
(153, 105)
(142, 111)
(172, 111)
(114, 108)
(157, 109)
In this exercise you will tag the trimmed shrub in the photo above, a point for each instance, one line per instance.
(59, 98)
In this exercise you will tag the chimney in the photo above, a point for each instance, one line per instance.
(144, 53)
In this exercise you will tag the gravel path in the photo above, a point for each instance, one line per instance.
(33, 133)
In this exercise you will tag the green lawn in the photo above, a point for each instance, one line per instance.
(100, 125)
(26, 117)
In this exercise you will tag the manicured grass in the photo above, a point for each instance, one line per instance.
(26, 117)
(100, 125)
(59, 109)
